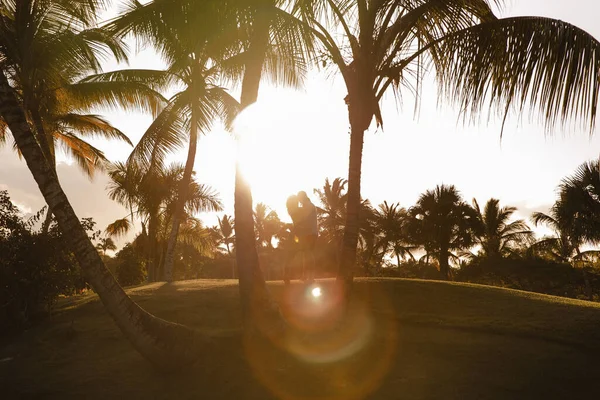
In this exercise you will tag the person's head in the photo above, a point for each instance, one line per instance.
(303, 197)
(292, 204)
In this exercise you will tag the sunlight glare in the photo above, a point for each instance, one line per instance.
(279, 148)
(316, 292)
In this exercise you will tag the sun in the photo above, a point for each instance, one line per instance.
(276, 151)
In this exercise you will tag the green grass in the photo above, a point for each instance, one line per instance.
(406, 339)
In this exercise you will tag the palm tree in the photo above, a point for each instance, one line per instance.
(391, 226)
(187, 114)
(46, 50)
(579, 202)
(265, 41)
(443, 223)
(497, 236)
(105, 244)
(152, 197)
(332, 211)
(226, 236)
(332, 215)
(565, 245)
(561, 247)
(267, 225)
(479, 59)
(165, 344)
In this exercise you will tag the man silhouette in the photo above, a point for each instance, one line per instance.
(307, 232)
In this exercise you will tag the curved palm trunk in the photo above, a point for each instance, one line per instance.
(45, 143)
(182, 197)
(167, 345)
(258, 311)
(350, 240)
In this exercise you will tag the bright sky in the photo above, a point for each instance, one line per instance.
(301, 137)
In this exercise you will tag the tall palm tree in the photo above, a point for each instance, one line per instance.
(188, 113)
(510, 63)
(152, 197)
(268, 42)
(443, 223)
(165, 344)
(47, 48)
(496, 234)
(391, 224)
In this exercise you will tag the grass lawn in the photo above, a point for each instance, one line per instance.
(404, 339)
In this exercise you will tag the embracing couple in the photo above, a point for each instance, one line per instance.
(304, 216)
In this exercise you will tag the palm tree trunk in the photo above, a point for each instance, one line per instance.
(232, 261)
(183, 194)
(48, 149)
(257, 307)
(444, 266)
(152, 247)
(350, 240)
(165, 344)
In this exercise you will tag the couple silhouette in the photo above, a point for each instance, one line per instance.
(306, 230)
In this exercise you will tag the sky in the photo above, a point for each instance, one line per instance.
(300, 137)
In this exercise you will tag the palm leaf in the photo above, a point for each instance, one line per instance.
(91, 125)
(539, 63)
(118, 228)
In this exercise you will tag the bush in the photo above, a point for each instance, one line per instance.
(534, 275)
(35, 268)
(130, 268)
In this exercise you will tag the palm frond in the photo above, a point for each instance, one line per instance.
(525, 62)
(91, 125)
(129, 96)
(89, 158)
(166, 134)
(118, 228)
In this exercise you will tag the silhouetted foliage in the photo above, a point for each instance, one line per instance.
(130, 266)
(35, 267)
(534, 275)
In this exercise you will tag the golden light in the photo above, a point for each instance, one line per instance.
(279, 149)
(316, 292)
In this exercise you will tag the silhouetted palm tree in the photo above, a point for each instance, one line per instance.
(578, 205)
(261, 40)
(332, 209)
(47, 50)
(226, 236)
(391, 224)
(496, 234)
(565, 245)
(152, 197)
(443, 223)
(165, 344)
(267, 225)
(479, 59)
(105, 244)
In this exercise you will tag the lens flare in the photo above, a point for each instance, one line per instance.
(316, 292)
(344, 350)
